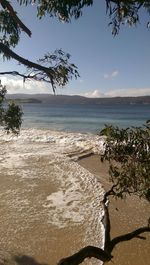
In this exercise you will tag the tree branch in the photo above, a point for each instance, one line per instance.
(6, 4)
(86, 252)
(29, 76)
(30, 64)
(128, 236)
(50, 73)
(15, 73)
(106, 218)
(58, 73)
(98, 253)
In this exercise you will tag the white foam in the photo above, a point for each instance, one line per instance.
(40, 156)
(65, 206)
(64, 141)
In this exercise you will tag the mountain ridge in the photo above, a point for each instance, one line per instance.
(76, 99)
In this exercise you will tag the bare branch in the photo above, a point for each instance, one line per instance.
(15, 73)
(98, 253)
(50, 73)
(29, 76)
(86, 252)
(127, 237)
(109, 192)
(30, 64)
(106, 217)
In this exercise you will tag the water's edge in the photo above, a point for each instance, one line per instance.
(50, 197)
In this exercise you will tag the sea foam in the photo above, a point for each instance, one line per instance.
(64, 142)
(44, 186)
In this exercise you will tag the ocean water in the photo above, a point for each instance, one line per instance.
(83, 118)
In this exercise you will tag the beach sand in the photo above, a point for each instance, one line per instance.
(126, 216)
(50, 207)
(31, 174)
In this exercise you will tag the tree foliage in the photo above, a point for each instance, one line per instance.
(52, 68)
(10, 115)
(126, 12)
(128, 153)
(127, 150)
(119, 11)
(58, 74)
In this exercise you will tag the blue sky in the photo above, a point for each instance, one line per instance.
(108, 66)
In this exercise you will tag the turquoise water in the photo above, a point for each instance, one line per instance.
(83, 118)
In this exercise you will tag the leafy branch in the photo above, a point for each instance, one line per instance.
(128, 154)
(57, 73)
(10, 116)
(52, 68)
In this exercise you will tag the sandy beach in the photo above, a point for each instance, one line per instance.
(126, 215)
(50, 204)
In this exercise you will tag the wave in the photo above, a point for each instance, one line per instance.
(68, 143)
(47, 194)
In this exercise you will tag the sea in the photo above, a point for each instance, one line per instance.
(83, 117)
(50, 206)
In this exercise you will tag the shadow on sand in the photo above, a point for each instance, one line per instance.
(26, 260)
(10, 259)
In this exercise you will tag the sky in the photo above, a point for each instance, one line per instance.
(108, 66)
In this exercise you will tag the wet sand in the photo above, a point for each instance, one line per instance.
(50, 207)
(41, 222)
(126, 216)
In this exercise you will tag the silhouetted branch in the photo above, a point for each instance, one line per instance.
(6, 4)
(106, 218)
(86, 252)
(109, 192)
(29, 76)
(15, 73)
(58, 73)
(127, 237)
(98, 253)
(30, 64)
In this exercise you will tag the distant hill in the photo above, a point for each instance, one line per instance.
(25, 100)
(63, 99)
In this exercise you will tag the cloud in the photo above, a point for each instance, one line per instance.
(16, 85)
(93, 94)
(111, 75)
(132, 92)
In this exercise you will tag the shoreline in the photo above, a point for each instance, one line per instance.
(125, 216)
(50, 206)
(33, 156)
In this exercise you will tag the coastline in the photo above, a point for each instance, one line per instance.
(33, 156)
(50, 206)
(125, 216)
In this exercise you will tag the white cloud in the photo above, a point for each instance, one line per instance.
(133, 92)
(112, 75)
(15, 85)
(93, 94)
